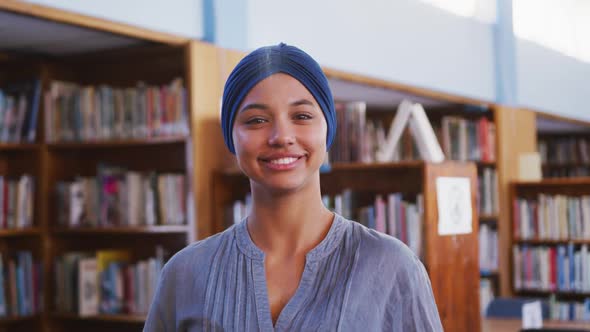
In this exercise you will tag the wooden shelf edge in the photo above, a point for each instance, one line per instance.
(18, 146)
(17, 319)
(159, 229)
(550, 242)
(90, 22)
(554, 182)
(338, 166)
(122, 318)
(532, 292)
(488, 217)
(20, 232)
(119, 143)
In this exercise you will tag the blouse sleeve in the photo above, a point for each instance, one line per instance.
(161, 315)
(418, 308)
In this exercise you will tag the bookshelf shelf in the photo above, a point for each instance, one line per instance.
(481, 164)
(551, 242)
(108, 144)
(561, 165)
(19, 146)
(140, 230)
(139, 319)
(488, 217)
(20, 232)
(370, 166)
(556, 182)
(18, 319)
(545, 293)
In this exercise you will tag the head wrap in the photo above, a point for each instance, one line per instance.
(264, 62)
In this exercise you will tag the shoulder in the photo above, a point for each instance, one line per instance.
(197, 256)
(385, 253)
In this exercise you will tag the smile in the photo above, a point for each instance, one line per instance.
(282, 163)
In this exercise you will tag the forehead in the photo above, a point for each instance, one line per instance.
(278, 87)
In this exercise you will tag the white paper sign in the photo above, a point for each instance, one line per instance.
(454, 205)
(532, 317)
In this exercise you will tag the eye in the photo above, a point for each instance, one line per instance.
(255, 121)
(303, 116)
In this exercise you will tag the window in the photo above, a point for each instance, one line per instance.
(481, 10)
(562, 25)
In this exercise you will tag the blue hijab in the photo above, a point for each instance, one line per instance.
(264, 62)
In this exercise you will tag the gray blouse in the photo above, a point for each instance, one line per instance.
(356, 279)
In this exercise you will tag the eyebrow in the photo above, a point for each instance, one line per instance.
(254, 106)
(302, 102)
(266, 107)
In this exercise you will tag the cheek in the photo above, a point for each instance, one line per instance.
(315, 137)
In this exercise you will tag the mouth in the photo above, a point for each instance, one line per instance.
(282, 162)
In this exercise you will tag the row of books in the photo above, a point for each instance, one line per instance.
(89, 113)
(487, 198)
(359, 137)
(568, 150)
(389, 214)
(16, 202)
(564, 268)
(488, 248)
(116, 197)
(552, 217)
(566, 171)
(21, 284)
(569, 310)
(19, 108)
(466, 139)
(106, 282)
(486, 294)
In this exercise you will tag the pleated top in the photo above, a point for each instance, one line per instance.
(355, 279)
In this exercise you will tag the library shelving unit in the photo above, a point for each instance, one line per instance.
(47, 44)
(564, 145)
(550, 230)
(457, 302)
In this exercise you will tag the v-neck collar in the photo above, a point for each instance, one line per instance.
(248, 248)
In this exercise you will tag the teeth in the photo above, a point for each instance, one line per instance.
(283, 161)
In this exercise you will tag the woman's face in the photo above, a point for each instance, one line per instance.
(279, 134)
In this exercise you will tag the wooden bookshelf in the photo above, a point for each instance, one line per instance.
(457, 302)
(121, 56)
(564, 144)
(530, 190)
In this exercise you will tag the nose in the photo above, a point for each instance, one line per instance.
(282, 133)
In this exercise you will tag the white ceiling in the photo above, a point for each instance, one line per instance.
(25, 34)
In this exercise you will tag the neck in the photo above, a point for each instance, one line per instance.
(288, 224)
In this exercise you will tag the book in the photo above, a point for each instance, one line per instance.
(88, 296)
(413, 115)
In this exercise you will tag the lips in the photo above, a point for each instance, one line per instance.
(281, 161)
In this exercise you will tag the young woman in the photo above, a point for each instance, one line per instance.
(291, 265)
